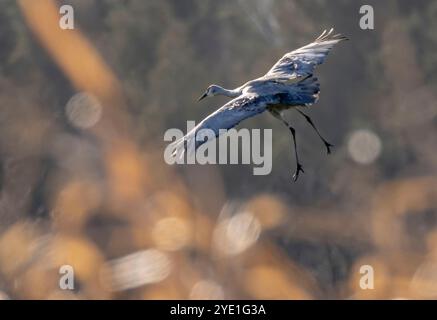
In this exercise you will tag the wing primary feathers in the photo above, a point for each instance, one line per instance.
(301, 62)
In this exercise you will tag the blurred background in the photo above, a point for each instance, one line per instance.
(83, 181)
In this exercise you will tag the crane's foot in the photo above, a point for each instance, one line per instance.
(328, 146)
(298, 169)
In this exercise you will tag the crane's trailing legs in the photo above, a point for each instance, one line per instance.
(299, 168)
(327, 144)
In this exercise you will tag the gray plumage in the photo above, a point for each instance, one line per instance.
(289, 83)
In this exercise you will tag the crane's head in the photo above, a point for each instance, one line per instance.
(211, 91)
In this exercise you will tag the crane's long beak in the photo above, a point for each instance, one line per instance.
(203, 96)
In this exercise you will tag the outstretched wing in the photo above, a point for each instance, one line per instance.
(301, 62)
(227, 117)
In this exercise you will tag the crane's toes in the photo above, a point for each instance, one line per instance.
(296, 174)
(328, 147)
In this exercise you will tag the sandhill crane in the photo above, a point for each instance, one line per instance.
(288, 84)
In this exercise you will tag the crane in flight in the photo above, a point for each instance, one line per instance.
(288, 84)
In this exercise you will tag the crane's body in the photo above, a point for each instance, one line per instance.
(288, 84)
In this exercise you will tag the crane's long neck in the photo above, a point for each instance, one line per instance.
(232, 93)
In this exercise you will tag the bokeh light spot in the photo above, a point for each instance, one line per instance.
(364, 146)
(83, 110)
(171, 233)
(140, 268)
(235, 235)
(206, 290)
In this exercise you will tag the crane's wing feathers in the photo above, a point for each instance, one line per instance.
(226, 117)
(301, 62)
